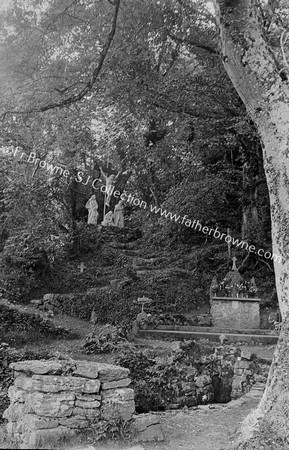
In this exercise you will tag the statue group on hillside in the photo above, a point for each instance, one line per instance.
(111, 219)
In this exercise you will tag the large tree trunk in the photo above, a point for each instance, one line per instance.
(255, 74)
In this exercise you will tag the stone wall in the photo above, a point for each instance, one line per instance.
(235, 313)
(50, 400)
(245, 370)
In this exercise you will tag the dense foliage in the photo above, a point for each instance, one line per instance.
(80, 94)
(20, 327)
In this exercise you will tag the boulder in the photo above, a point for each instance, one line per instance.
(146, 427)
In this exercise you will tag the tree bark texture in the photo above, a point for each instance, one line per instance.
(255, 73)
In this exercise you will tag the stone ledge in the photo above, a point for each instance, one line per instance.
(38, 367)
(237, 299)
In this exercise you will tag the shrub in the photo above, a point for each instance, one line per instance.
(108, 339)
(19, 328)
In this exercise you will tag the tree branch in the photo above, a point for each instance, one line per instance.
(183, 40)
(89, 85)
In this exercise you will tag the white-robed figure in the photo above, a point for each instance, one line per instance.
(118, 215)
(92, 207)
(108, 220)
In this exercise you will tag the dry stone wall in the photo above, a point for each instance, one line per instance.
(51, 400)
(245, 370)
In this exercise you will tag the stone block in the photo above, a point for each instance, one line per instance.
(113, 410)
(36, 303)
(146, 427)
(86, 369)
(49, 405)
(49, 297)
(14, 412)
(66, 384)
(11, 429)
(202, 380)
(39, 438)
(88, 413)
(37, 423)
(116, 384)
(108, 372)
(138, 447)
(91, 387)
(84, 404)
(247, 355)
(117, 404)
(38, 367)
(125, 394)
(88, 397)
(77, 422)
(24, 383)
(85, 447)
(16, 395)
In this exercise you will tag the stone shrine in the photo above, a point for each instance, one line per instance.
(233, 302)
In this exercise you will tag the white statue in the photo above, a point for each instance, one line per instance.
(118, 215)
(108, 220)
(109, 182)
(92, 207)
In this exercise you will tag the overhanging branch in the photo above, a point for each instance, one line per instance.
(91, 82)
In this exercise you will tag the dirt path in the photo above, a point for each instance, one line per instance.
(205, 428)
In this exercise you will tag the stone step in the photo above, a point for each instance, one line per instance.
(217, 330)
(212, 335)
